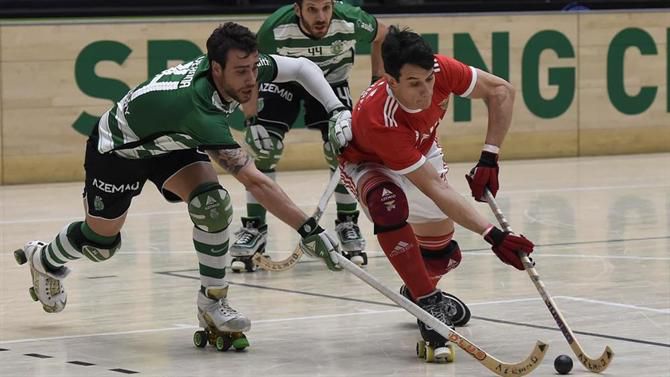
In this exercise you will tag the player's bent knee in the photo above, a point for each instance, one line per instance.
(99, 253)
(388, 207)
(210, 207)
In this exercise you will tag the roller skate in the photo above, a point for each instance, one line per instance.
(222, 325)
(352, 242)
(47, 285)
(458, 311)
(250, 241)
(434, 348)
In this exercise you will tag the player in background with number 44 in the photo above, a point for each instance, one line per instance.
(394, 166)
(166, 130)
(325, 32)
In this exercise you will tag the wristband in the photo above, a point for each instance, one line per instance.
(491, 148)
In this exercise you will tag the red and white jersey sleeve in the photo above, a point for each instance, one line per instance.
(385, 132)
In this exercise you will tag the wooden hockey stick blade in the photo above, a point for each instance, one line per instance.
(496, 366)
(594, 365)
(268, 264)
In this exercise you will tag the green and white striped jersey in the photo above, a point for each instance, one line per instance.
(177, 109)
(334, 53)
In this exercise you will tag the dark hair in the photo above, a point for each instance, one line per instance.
(230, 36)
(402, 47)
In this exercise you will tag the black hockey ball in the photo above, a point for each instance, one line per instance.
(563, 364)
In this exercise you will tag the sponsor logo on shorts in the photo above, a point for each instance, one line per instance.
(272, 88)
(98, 204)
(112, 188)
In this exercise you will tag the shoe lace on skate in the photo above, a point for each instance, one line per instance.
(350, 231)
(440, 310)
(226, 310)
(245, 236)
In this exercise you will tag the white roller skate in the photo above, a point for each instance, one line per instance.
(434, 347)
(458, 312)
(251, 239)
(222, 325)
(47, 286)
(352, 242)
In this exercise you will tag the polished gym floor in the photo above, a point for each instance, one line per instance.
(601, 226)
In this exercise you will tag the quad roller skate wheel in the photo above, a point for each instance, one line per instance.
(221, 341)
(200, 338)
(358, 257)
(20, 256)
(246, 264)
(427, 352)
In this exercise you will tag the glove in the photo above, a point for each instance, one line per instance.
(317, 242)
(507, 245)
(485, 174)
(339, 129)
(259, 136)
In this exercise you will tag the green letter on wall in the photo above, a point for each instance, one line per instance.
(160, 53)
(563, 77)
(91, 84)
(466, 51)
(616, 88)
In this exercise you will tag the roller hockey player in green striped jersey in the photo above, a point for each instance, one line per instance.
(166, 130)
(325, 32)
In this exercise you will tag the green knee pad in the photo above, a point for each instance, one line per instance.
(210, 208)
(265, 160)
(331, 158)
(98, 253)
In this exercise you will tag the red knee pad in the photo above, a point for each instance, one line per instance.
(387, 205)
(440, 262)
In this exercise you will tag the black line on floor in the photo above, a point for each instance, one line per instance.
(284, 290)
(4, 349)
(576, 332)
(82, 363)
(126, 371)
(40, 356)
(640, 341)
(101, 277)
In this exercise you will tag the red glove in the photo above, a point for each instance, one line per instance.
(506, 245)
(485, 174)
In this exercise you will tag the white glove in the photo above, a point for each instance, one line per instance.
(339, 130)
(260, 137)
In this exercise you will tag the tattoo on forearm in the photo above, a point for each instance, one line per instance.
(233, 160)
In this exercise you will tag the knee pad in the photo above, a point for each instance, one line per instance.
(331, 157)
(265, 160)
(439, 262)
(210, 208)
(387, 205)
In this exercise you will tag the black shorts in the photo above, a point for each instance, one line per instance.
(281, 106)
(113, 181)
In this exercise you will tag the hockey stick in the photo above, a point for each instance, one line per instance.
(268, 264)
(594, 365)
(496, 366)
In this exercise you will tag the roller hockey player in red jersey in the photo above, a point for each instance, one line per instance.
(392, 162)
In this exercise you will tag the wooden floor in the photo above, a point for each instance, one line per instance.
(601, 225)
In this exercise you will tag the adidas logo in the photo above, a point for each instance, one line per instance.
(400, 248)
(387, 194)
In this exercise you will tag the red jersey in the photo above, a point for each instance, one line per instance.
(386, 132)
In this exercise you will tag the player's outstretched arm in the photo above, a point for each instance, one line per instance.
(309, 76)
(376, 61)
(427, 179)
(504, 244)
(315, 240)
